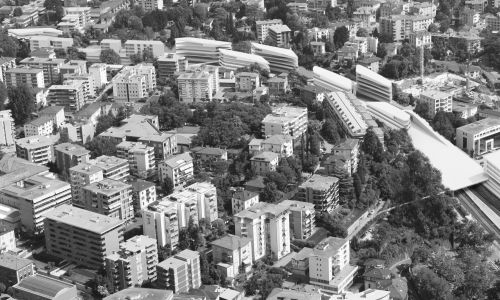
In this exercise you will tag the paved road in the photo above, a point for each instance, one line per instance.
(362, 223)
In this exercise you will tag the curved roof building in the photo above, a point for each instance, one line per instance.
(372, 86)
(331, 81)
(280, 59)
(340, 107)
(235, 60)
(200, 50)
(392, 116)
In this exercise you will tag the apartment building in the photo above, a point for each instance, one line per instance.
(329, 265)
(247, 81)
(302, 222)
(134, 264)
(98, 73)
(86, 80)
(140, 158)
(143, 194)
(420, 39)
(157, 48)
(13, 269)
(268, 227)
(206, 157)
(33, 197)
(243, 199)
(436, 101)
(169, 64)
(31, 77)
(279, 144)
(45, 41)
(263, 28)
(7, 128)
(112, 167)
(71, 95)
(36, 149)
(179, 169)
(109, 197)
(160, 222)
(280, 35)
(6, 63)
(349, 150)
(232, 255)
(56, 113)
(81, 13)
(322, 191)
(82, 237)
(82, 175)
(7, 240)
(399, 27)
(164, 144)
(135, 82)
(288, 120)
(50, 66)
(202, 196)
(264, 162)
(195, 86)
(39, 126)
(111, 44)
(180, 272)
(149, 5)
(69, 155)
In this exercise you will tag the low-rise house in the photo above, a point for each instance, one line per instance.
(207, 156)
(232, 255)
(39, 126)
(13, 269)
(264, 162)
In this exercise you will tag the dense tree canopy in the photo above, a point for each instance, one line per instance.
(21, 103)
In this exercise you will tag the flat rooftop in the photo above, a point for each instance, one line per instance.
(141, 294)
(83, 219)
(34, 142)
(231, 242)
(106, 162)
(36, 187)
(261, 208)
(107, 187)
(71, 149)
(319, 182)
(480, 126)
(13, 262)
(86, 168)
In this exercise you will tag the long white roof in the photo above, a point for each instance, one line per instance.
(275, 50)
(201, 43)
(365, 72)
(330, 80)
(236, 59)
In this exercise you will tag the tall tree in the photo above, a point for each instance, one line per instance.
(340, 36)
(21, 103)
(109, 56)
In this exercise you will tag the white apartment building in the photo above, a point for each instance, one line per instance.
(51, 67)
(286, 120)
(7, 128)
(263, 28)
(264, 162)
(98, 72)
(179, 169)
(82, 175)
(56, 113)
(437, 101)
(86, 80)
(160, 222)
(24, 76)
(140, 158)
(232, 254)
(134, 264)
(70, 95)
(322, 191)
(149, 5)
(280, 35)
(420, 38)
(45, 41)
(5, 64)
(157, 48)
(279, 144)
(302, 218)
(109, 197)
(268, 227)
(33, 197)
(112, 167)
(195, 87)
(329, 265)
(180, 272)
(134, 82)
(36, 149)
(143, 194)
(169, 64)
(197, 201)
(39, 126)
(111, 44)
(399, 27)
(243, 199)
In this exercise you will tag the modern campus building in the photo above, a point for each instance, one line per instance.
(263, 28)
(160, 222)
(24, 76)
(179, 169)
(157, 48)
(329, 265)
(134, 264)
(108, 197)
(141, 158)
(268, 227)
(492, 170)
(36, 149)
(285, 120)
(7, 128)
(339, 106)
(331, 81)
(180, 272)
(45, 41)
(479, 137)
(200, 50)
(234, 60)
(169, 64)
(243, 199)
(389, 114)
(302, 222)
(34, 196)
(232, 255)
(372, 86)
(322, 191)
(437, 101)
(280, 59)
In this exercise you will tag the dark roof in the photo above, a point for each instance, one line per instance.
(257, 182)
(378, 273)
(43, 285)
(52, 110)
(208, 150)
(13, 262)
(140, 185)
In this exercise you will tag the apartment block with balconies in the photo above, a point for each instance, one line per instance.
(109, 197)
(180, 272)
(302, 222)
(243, 199)
(322, 191)
(112, 167)
(141, 158)
(160, 222)
(134, 264)
(82, 175)
(37, 149)
(179, 169)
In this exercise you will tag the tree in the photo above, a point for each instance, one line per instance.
(329, 131)
(442, 124)
(362, 32)
(381, 51)
(8, 46)
(168, 186)
(430, 286)
(371, 145)
(101, 146)
(340, 36)
(17, 12)
(357, 186)
(109, 56)
(21, 103)
(422, 109)
(271, 194)
(3, 95)
(135, 23)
